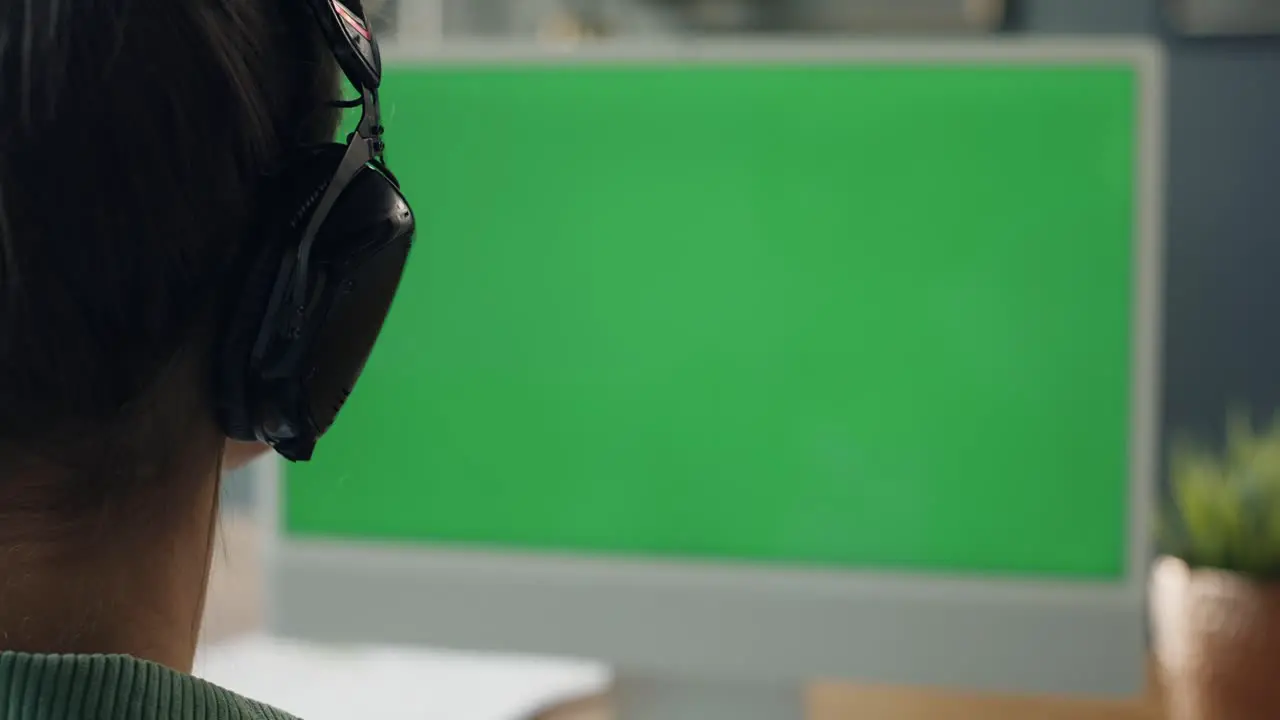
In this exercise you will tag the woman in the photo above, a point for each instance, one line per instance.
(136, 137)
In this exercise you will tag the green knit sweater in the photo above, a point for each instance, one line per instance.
(113, 687)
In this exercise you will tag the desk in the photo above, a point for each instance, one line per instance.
(835, 701)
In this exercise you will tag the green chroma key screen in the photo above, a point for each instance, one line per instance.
(868, 316)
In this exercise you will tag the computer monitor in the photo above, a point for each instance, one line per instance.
(740, 364)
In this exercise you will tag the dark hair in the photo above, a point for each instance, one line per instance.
(135, 138)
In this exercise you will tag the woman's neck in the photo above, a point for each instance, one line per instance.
(137, 588)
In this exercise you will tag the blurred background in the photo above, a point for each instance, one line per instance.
(1216, 179)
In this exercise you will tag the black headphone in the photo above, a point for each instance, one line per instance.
(336, 237)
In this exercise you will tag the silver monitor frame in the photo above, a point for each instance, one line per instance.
(773, 624)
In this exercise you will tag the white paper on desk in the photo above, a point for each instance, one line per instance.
(317, 682)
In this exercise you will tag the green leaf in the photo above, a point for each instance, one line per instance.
(1225, 509)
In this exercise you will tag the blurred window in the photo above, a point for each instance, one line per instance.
(419, 20)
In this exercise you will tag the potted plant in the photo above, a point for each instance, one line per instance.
(1215, 594)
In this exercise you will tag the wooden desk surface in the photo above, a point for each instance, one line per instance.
(837, 701)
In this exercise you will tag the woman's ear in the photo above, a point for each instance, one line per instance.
(237, 454)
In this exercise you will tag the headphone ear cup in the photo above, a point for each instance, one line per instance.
(292, 197)
(236, 392)
(386, 172)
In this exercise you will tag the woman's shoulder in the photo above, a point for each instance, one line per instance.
(114, 687)
(253, 710)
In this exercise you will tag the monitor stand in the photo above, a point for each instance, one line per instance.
(648, 696)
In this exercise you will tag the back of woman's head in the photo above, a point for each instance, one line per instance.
(134, 138)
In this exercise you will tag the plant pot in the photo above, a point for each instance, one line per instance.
(1216, 637)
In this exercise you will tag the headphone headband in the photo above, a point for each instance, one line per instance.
(356, 50)
(346, 29)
